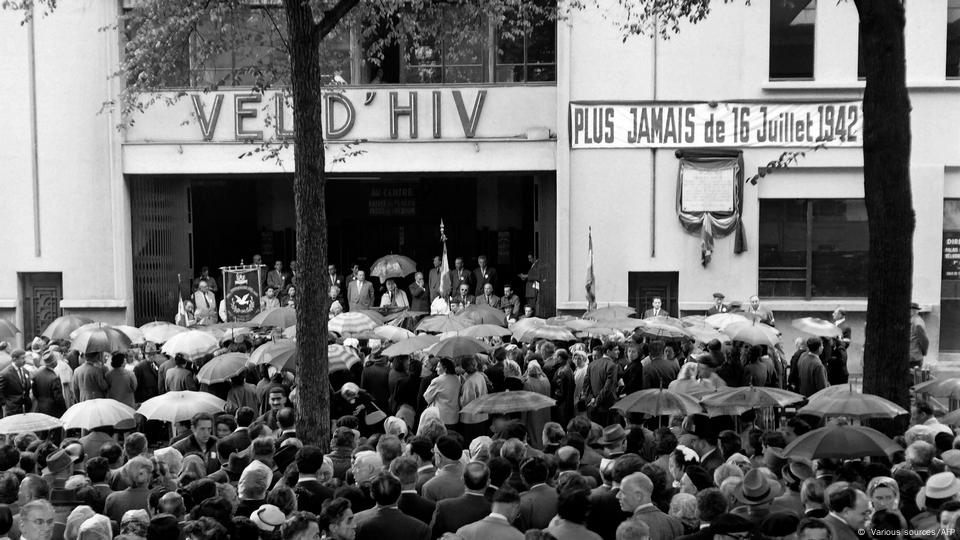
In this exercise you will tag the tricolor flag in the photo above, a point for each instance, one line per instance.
(591, 281)
(181, 318)
(444, 266)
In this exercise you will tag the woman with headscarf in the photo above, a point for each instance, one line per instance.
(884, 493)
(133, 525)
(683, 506)
(76, 518)
(536, 381)
(96, 528)
(474, 385)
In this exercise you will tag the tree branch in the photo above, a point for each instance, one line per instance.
(333, 16)
(277, 28)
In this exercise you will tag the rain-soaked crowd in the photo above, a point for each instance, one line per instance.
(410, 459)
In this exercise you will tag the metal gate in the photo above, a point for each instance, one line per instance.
(41, 293)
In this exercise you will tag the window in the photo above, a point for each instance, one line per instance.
(953, 38)
(950, 280)
(791, 38)
(527, 49)
(813, 248)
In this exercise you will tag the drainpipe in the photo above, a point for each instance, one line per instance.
(35, 160)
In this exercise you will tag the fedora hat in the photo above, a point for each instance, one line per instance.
(796, 472)
(612, 435)
(58, 462)
(941, 486)
(236, 463)
(756, 489)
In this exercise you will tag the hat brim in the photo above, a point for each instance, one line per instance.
(772, 493)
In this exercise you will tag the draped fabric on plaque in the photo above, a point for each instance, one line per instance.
(710, 197)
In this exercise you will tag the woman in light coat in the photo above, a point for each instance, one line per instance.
(536, 381)
(474, 386)
(444, 393)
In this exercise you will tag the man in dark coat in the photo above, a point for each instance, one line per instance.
(811, 373)
(482, 275)
(90, 380)
(410, 502)
(419, 295)
(600, 390)
(385, 520)
(201, 441)
(472, 506)
(146, 372)
(15, 385)
(376, 381)
(310, 491)
(47, 388)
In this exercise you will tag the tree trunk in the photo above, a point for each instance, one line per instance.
(886, 178)
(309, 186)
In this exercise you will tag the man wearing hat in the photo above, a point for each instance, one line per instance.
(59, 468)
(268, 518)
(614, 441)
(717, 306)
(793, 474)
(919, 343)
(756, 493)
(47, 388)
(634, 496)
(230, 471)
(940, 489)
(15, 385)
(448, 482)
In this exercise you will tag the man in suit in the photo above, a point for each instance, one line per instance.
(240, 440)
(90, 379)
(421, 449)
(460, 275)
(711, 506)
(484, 274)
(472, 506)
(656, 310)
(812, 375)
(600, 390)
(410, 502)
(360, 292)
(462, 298)
(511, 300)
(448, 482)
(385, 520)
(506, 504)
(47, 389)
(487, 298)
(205, 276)
(663, 367)
(532, 279)
(277, 278)
(310, 491)
(840, 319)
(206, 304)
(849, 510)
(538, 505)
(15, 385)
(761, 313)
(435, 279)
(717, 306)
(146, 372)
(420, 297)
(634, 496)
(333, 278)
(139, 472)
(286, 423)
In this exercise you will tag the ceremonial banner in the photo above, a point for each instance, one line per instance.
(649, 124)
(242, 284)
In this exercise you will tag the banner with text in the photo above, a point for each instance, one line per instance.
(733, 124)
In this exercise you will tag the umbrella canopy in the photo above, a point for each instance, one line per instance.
(192, 344)
(548, 331)
(28, 422)
(160, 331)
(479, 331)
(392, 266)
(753, 333)
(598, 332)
(410, 345)
(828, 391)
(658, 402)
(571, 322)
(405, 319)
(180, 406)
(290, 332)
(817, 327)
(852, 404)
(135, 334)
(694, 320)
(665, 320)
(281, 317)
(843, 442)
(223, 368)
(340, 358)
(99, 339)
(8, 330)
(722, 320)
(508, 402)
(655, 327)
(705, 334)
(96, 412)
(352, 322)
(454, 347)
(940, 388)
(609, 312)
(483, 314)
(61, 327)
(751, 396)
(376, 316)
(392, 333)
(281, 354)
(952, 418)
(444, 323)
(623, 324)
(232, 334)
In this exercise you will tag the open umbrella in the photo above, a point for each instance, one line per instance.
(392, 266)
(548, 331)
(192, 344)
(102, 338)
(609, 312)
(28, 422)
(751, 396)
(340, 358)
(852, 404)
(379, 318)
(940, 388)
(455, 347)
(952, 418)
(180, 406)
(722, 320)
(405, 319)
(828, 391)
(655, 327)
(160, 331)
(392, 333)
(223, 368)
(623, 324)
(598, 332)
(483, 314)
(665, 319)
(61, 327)
(352, 322)
(705, 334)
(754, 333)
(135, 334)
(479, 331)
(842, 442)
(96, 412)
(694, 320)
(443, 323)
(817, 327)
(571, 322)
(232, 334)
(508, 402)
(410, 345)
(658, 402)
(8, 330)
(281, 354)
(281, 317)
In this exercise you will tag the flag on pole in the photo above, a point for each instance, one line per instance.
(591, 281)
(444, 266)
(181, 318)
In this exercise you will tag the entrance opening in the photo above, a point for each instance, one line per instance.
(40, 294)
(643, 287)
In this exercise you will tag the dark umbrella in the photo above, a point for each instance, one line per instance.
(102, 339)
(842, 442)
(61, 327)
(483, 314)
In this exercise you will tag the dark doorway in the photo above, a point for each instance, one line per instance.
(41, 293)
(643, 287)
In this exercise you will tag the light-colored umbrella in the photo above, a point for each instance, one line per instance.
(664, 329)
(444, 323)
(8, 330)
(508, 402)
(624, 324)
(479, 331)
(135, 334)
(290, 332)
(223, 368)
(180, 406)
(232, 334)
(392, 333)
(281, 317)
(852, 404)
(722, 320)
(548, 331)
(161, 331)
(455, 347)
(705, 334)
(192, 344)
(599, 332)
(483, 314)
(375, 316)
(658, 402)
(841, 442)
(754, 333)
(952, 418)
(571, 322)
(340, 358)
(279, 354)
(665, 319)
(751, 396)
(817, 327)
(102, 338)
(351, 322)
(96, 412)
(61, 327)
(411, 345)
(828, 391)
(28, 422)
(609, 312)
(694, 320)
(392, 266)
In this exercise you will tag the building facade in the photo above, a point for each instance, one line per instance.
(520, 149)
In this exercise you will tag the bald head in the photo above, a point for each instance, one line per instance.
(635, 491)
(568, 458)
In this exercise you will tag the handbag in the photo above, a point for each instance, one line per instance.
(375, 416)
